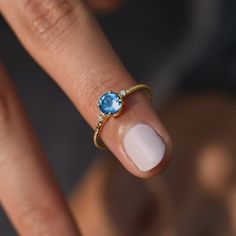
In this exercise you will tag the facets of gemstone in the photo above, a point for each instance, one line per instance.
(110, 103)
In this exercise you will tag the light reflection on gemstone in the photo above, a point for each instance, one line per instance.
(110, 103)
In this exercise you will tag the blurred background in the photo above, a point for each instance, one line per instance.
(186, 51)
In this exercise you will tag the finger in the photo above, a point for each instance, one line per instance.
(65, 39)
(28, 191)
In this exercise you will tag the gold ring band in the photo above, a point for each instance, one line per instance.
(111, 105)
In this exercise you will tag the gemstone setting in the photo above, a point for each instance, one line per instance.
(110, 104)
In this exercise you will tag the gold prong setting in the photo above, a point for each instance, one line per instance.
(111, 105)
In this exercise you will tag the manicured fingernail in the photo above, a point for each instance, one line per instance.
(144, 147)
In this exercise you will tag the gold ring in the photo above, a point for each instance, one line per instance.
(110, 105)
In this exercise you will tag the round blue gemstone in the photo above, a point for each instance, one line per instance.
(110, 103)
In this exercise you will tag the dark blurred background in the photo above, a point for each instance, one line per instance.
(178, 47)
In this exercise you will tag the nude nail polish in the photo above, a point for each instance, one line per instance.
(144, 146)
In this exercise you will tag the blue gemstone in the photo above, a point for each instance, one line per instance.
(110, 103)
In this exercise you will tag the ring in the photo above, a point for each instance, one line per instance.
(111, 105)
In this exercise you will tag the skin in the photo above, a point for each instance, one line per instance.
(69, 44)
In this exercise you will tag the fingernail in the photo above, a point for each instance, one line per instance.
(144, 147)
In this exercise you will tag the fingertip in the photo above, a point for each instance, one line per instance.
(156, 167)
(144, 147)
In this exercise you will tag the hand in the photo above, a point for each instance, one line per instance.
(65, 39)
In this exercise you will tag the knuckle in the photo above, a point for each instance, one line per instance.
(48, 19)
(36, 219)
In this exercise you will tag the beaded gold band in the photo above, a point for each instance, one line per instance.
(111, 105)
